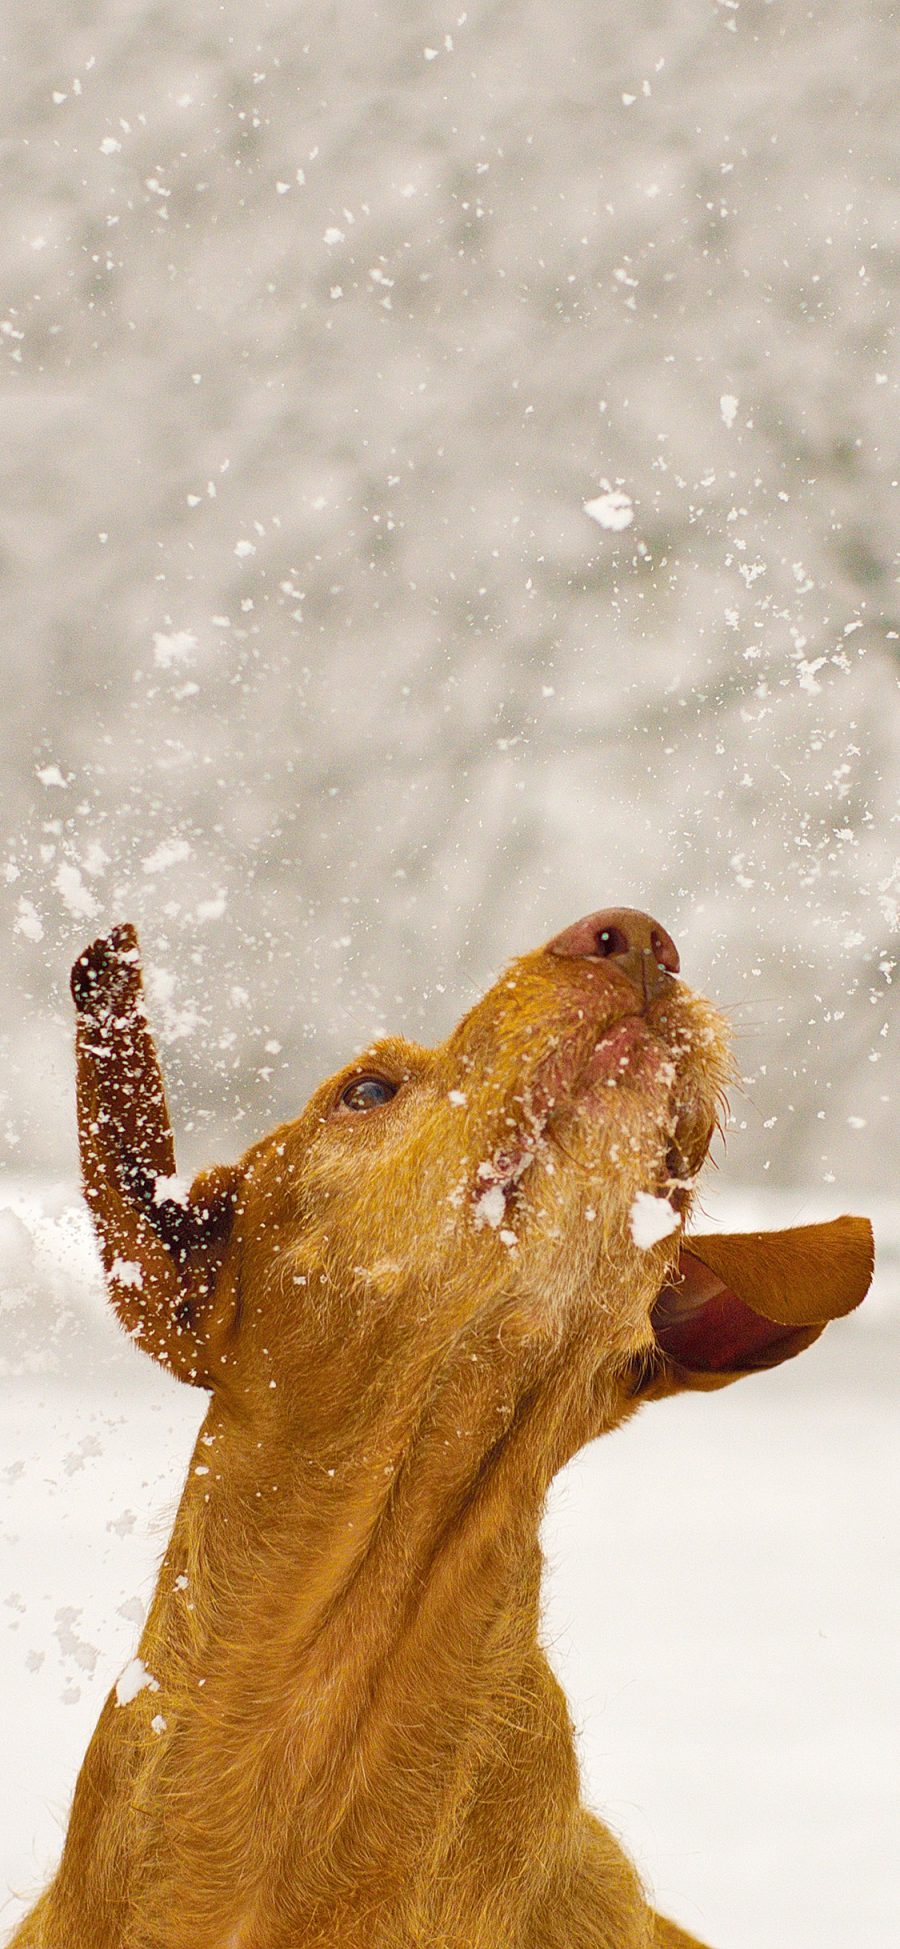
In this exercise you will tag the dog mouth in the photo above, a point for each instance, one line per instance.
(633, 1053)
(629, 1051)
(572, 1081)
(576, 1070)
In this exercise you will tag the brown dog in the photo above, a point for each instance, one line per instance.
(410, 1306)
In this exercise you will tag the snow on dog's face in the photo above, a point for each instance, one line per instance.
(537, 1163)
(516, 1194)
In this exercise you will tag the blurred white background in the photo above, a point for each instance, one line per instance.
(319, 327)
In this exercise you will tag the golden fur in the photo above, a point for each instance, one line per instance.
(408, 1318)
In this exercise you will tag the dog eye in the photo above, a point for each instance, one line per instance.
(367, 1092)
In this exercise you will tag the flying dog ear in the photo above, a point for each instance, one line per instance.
(162, 1250)
(741, 1302)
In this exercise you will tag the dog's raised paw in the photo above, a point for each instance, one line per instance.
(108, 974)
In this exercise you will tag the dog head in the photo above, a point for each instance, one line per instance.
(512, 1199)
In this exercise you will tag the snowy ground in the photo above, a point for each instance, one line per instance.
(723, 1600)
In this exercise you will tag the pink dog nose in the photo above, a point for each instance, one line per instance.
(638, 946)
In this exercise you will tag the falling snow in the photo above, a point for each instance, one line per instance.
(167, 854)
(612, 510)
(76, 897)
(28, 921)
(173, 649)
(134, 1679)
(651, 1219)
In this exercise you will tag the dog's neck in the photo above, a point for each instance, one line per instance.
(331, 1645)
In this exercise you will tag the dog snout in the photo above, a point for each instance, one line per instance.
(631, 941)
